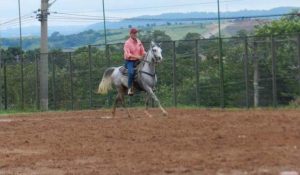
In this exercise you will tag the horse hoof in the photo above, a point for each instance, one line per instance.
(165, 113)
(148, 114)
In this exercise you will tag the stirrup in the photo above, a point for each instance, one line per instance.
(130, 92)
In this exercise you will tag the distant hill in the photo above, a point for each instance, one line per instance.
(145, 20)
(35, 30)
(177, 17)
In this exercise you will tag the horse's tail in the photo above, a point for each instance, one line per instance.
(106, 82)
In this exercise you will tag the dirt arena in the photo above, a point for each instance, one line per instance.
(188, 142)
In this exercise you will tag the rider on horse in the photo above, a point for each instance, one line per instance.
(133, 52)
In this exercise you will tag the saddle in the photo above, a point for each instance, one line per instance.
(124, 70)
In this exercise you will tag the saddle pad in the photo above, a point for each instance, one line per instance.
(124, 71)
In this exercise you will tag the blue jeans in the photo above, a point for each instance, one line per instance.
(129, 64)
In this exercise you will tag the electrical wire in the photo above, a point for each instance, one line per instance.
(15, 19)
(69, 17)
(168, 6)
(95, 18)
(16, 23)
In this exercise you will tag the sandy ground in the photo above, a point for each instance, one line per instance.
(188, 142)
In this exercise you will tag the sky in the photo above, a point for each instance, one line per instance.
(116, 9)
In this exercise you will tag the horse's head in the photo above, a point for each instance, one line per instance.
(156, 52)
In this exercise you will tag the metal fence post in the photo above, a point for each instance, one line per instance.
(5, 84)
(71, 80)
(246, 67)
(197, 71)
(174, 75)
(107, 55)
(274, 84)
(255, 76)
(53, 81)
(298, 39)
(37, 83)
(1, 84)
(221, 72)
(90, 75)
(22, 81)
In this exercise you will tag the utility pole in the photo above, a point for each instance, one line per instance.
(43, 71)
(21, 55)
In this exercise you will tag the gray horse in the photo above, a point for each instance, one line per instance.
(145, 81)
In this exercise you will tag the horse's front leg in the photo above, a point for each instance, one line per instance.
(147, 98)
(124, 106)
(150, 91)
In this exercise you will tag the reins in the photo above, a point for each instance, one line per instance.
(149, 62)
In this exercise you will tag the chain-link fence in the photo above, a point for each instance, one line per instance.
(258, 71)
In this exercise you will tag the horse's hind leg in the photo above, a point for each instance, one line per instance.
(124, 106)
(115, 105)
(121, 93)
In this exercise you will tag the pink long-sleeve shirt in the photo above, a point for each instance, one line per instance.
(133, 47)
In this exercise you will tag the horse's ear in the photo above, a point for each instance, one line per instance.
(152, 44)
(159, 44)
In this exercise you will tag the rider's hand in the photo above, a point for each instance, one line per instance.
(138, 57)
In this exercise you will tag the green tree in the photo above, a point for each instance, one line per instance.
(286, 56)
(286, 25)
(188, 43)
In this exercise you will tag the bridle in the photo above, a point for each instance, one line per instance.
(149, 62)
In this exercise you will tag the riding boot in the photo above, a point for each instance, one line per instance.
(130, 91)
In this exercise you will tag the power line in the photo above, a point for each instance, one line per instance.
(50, 4)
(158, 7)
(95, 18)
(66, 18)
(15, 19)
(150, 7)
(15, 23)
(74, 14)
(71, 17)
(213, 18)
(166, 6)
